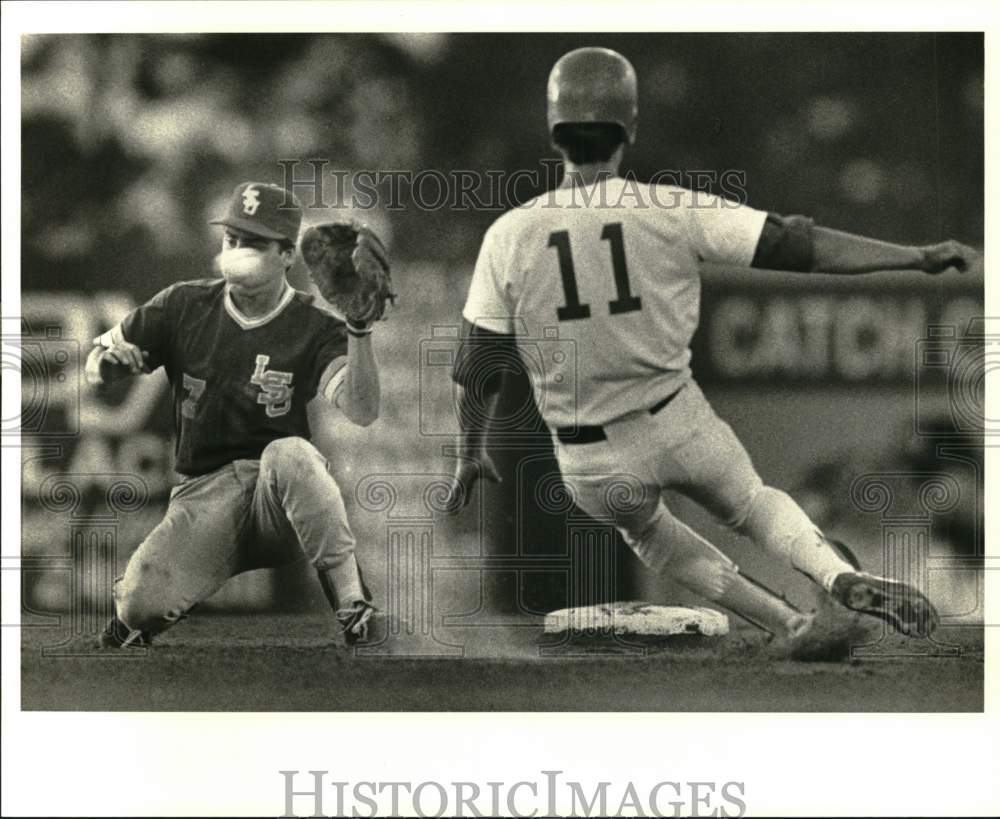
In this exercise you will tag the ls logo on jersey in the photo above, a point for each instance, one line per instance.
(276, 394)
(251, 201)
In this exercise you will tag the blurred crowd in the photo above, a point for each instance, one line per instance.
(131, 141)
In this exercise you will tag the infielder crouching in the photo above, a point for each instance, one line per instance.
(614, 265)
(244, 355)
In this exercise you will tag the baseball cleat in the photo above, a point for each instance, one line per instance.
(899, 604)
(354, 622)
(117, 635)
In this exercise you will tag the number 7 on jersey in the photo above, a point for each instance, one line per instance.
(573, 309)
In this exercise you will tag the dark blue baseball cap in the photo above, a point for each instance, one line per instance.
(264, 210)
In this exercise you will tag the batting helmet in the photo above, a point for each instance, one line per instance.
(593, 85)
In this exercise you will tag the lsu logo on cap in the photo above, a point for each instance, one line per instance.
(265, 210)
(251, 201)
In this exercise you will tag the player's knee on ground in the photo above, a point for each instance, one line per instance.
(287, 457)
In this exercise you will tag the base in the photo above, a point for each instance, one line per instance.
(635, 618)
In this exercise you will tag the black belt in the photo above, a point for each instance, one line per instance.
(591, 435)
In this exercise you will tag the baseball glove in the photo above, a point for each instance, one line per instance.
(349, 266)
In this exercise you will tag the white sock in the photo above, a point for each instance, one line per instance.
(777, 523)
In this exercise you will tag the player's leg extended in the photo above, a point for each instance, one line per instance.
(663, 542)
(666, 544)
(298, 507)
(184, 560)
(713, 468)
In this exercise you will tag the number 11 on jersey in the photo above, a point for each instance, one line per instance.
(573, 309)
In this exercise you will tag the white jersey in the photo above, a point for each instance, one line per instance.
(601, 286)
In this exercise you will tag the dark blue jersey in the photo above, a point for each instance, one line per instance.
(238, 383)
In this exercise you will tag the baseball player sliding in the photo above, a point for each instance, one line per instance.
(244, 354)
(615, 266)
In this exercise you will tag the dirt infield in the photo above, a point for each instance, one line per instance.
(289, 663)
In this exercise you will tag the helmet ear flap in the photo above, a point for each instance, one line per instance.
(593, 85)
